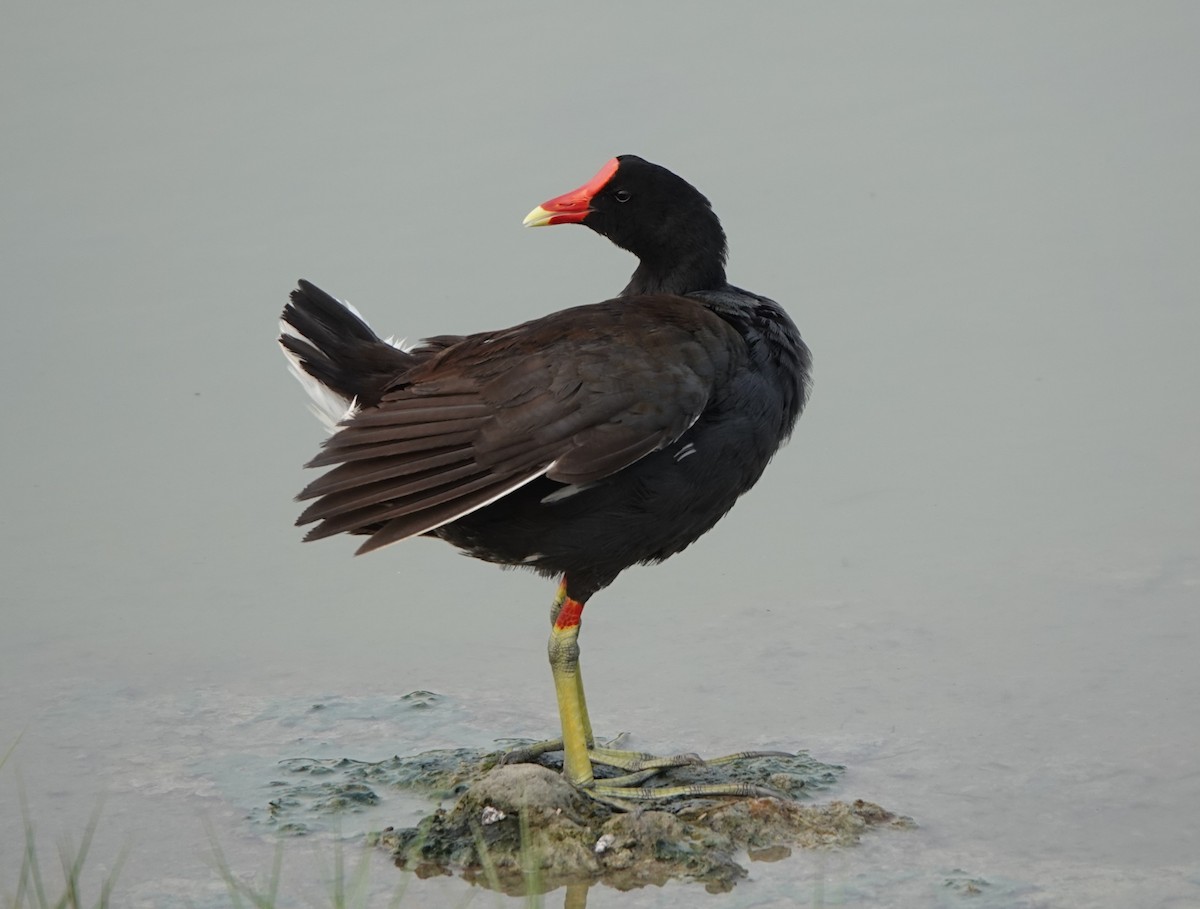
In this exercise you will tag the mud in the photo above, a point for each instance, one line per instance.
(522, 828)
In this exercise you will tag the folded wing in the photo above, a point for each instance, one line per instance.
(576, 397)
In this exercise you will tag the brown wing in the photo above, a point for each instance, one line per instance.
(575, 396)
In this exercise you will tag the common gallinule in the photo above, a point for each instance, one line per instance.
(577, 444)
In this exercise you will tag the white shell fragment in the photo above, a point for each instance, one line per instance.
(491, 815)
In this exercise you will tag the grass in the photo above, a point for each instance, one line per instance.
(346, 890)
(347, 885)
(32, 890)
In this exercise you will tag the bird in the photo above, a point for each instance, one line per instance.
(576, 444)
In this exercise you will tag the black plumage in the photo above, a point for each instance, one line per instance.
(576, 444)
(579, 443)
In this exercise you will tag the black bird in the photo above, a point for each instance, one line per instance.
(577, 444)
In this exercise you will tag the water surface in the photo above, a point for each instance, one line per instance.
(972, 577)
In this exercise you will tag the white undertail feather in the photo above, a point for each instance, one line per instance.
(326, 404)
(398, 343)
(354, 309)
(332, 408)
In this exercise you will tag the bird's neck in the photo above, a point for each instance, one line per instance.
(700, 270)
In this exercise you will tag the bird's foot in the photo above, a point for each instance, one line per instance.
(625, 790)
(528, 754)
(631, 797)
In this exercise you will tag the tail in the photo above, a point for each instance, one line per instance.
(340, 361)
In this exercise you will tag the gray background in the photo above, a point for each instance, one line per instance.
(972, 577)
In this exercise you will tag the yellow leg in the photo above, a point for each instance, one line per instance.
(578, 745)
(568, 686)
(587, 722)
(555, 611)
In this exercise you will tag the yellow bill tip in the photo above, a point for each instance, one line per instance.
(539, 217)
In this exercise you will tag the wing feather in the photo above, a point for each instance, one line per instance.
(353, 474)
(576, 396)
(383, 449)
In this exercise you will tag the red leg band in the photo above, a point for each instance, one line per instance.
(569, 615)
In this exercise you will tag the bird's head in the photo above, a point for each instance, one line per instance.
(656, 215)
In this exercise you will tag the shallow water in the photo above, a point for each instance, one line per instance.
(972, 577)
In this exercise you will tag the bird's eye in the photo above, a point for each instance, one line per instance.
(621, 195)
